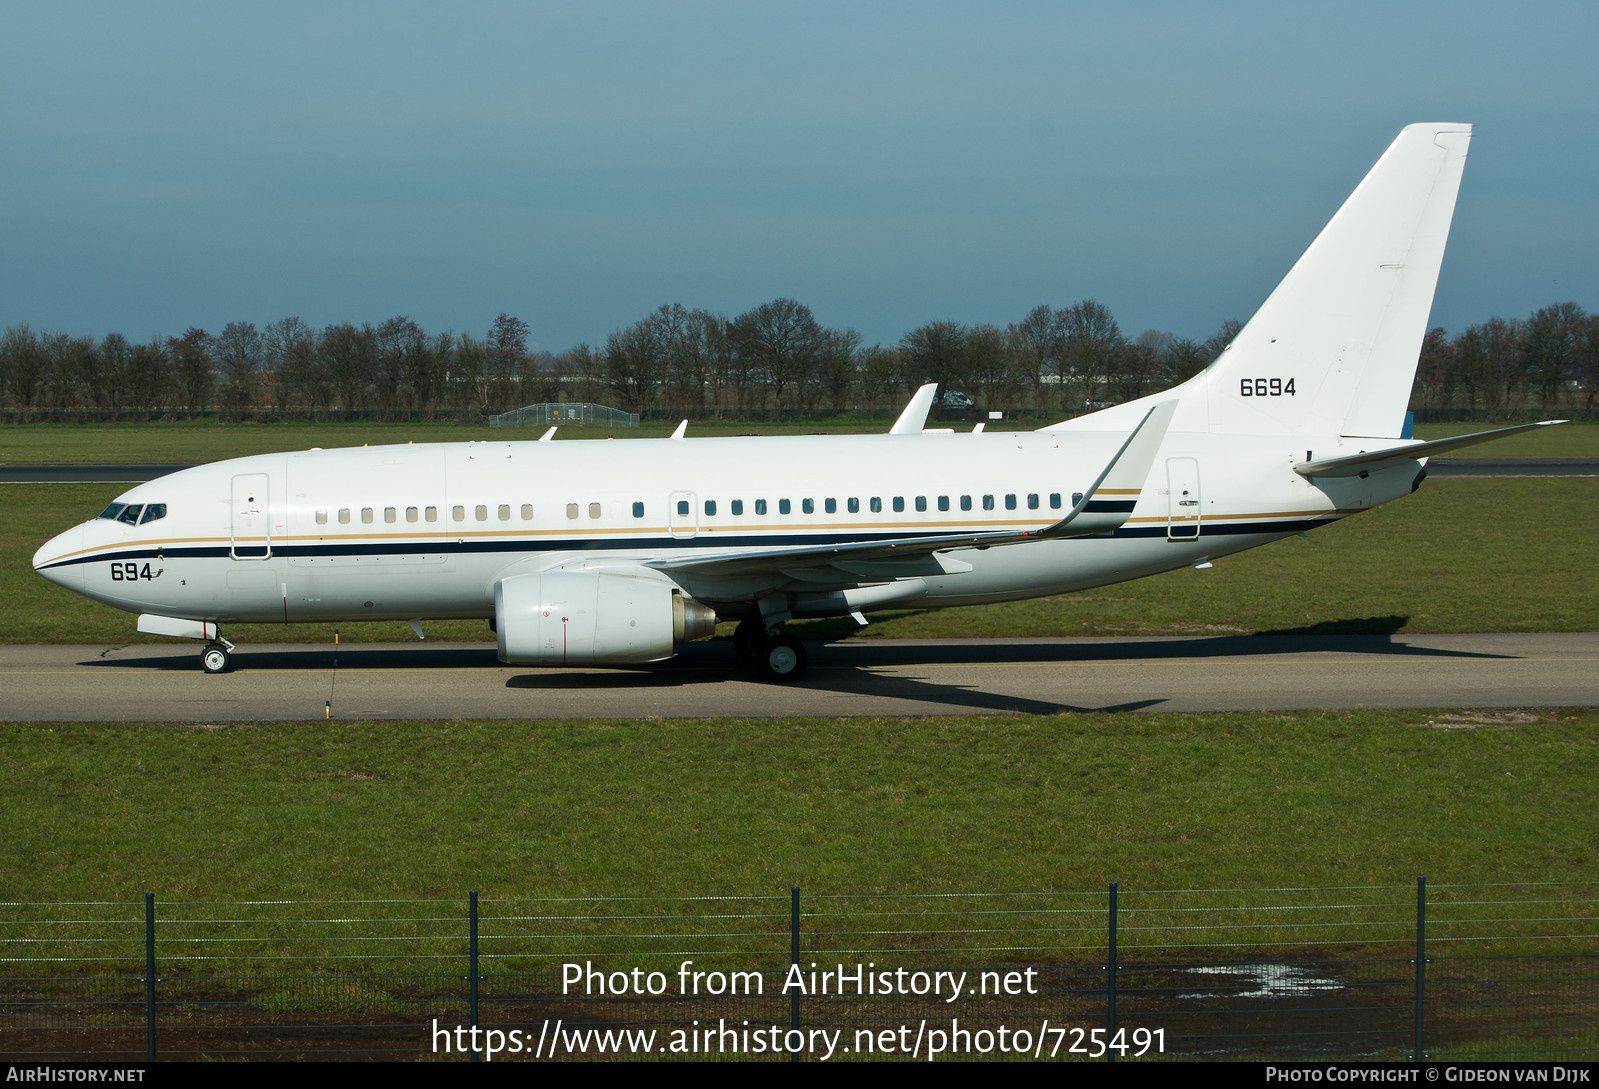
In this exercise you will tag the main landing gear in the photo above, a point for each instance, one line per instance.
(779, 656)
(217, 657)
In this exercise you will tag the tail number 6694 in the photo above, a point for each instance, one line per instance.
(1265, 387)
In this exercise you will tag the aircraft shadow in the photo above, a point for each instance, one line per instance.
(847, 666)
(850, 667)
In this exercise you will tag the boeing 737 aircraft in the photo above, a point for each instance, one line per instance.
(582, 553)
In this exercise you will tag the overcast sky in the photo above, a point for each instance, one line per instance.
(578, 165)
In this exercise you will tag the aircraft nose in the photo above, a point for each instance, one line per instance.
(46, 561)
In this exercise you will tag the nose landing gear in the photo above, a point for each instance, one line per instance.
(217, 657)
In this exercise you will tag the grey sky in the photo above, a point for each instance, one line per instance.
(172, 165)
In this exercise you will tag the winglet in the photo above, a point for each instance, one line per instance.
(682, 429)
(548, 435)
(1106, 505)
(914, 418)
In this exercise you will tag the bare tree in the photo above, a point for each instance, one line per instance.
(191, 357)
(782, 340)
(238, 351)
(635, 364)
(1549, 342)
(836, 366)
(23, 364)
(506, 346)
(1093, 346)
(935, 352)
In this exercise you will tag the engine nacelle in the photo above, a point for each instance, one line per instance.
(594, 618)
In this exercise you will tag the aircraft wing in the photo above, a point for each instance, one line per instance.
(1104, 507)
(1363, 463)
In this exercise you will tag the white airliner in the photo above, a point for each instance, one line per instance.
(583, 553)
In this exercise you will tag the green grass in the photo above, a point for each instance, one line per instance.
(1461, 555)
(370, 810)
(194, 442)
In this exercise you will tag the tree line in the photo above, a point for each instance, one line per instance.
(772, 361)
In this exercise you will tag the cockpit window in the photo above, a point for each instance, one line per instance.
(153, 511)
(113, 511)
(130, 514)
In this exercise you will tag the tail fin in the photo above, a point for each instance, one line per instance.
(1333, 350)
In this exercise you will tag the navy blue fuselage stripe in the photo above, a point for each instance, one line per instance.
(665, 546)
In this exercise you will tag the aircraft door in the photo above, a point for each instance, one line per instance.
(1182, 506)
(682, 515)
(252, 518)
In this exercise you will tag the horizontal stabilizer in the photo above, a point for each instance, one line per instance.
(1371, 462)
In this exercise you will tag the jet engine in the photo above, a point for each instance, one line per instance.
(594, 618)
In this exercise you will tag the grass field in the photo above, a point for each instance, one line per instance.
(1461, 555)
(365, 810)
(192, 443)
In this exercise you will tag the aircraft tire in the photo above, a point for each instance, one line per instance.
(747, 639)
(782, 659)
(216, 659)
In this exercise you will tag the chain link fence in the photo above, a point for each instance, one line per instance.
(1453, 972)
(565, 414)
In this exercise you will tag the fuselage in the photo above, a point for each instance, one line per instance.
(426, 530)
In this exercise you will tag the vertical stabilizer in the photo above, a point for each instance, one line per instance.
(1345, 326)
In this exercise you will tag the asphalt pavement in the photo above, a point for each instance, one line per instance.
(163, 683)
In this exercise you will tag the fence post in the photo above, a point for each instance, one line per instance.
(472, 960)
(1421, 960)
(1110, 982)
(793, 956)
(149, 975)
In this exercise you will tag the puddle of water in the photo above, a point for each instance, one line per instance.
(1268, 980)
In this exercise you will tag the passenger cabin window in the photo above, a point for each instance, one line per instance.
(1032, 500)
(638, 510)
(877, 504)
(344, 516)
(366, 516)
(1054, 500)
(760, 506)
(458, 513)
(431, 514)
(830, 505)
(505, 512)
(736, 506)
(594, 510)
(921, 502)
(899, 504)
(988, 502)
(943, 502)
(321, 517)
(966, 502)
(710, 508)
(389, 514)
(1010, 501)
(481, 512)
(412, 514)
(527, 512)
(853, 504)
(682, 509)
(784, 506)
(808, 506)
(571, 510)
